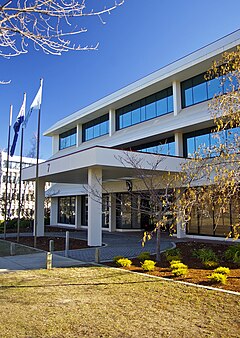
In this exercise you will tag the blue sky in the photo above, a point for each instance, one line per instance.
(138, 38)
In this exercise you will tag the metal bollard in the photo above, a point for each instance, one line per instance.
(67, 244)
(97, 255)
(12, 249)
(51, 245)
(49, 261)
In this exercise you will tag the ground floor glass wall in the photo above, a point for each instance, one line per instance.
(66, 210)
(212, 221)
(105, 211)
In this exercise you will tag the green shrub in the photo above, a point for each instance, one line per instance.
(116, 258)
(210, 264)
(218, 278)
(233, 253)
(173, 254)
(124, 262)
(176, 264)
(222, 270)
(148, 265)
(180, 272)
(178, 268)
(144, 256)
(205, 255)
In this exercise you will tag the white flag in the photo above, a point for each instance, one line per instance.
(36, 104)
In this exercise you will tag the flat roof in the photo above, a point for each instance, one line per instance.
(129, 93)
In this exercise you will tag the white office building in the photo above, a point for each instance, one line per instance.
(27, 188)
(163, 115)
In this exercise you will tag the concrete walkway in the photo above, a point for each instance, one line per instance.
(35, 261)
(115, 244)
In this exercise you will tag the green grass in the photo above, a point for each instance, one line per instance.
(104, 302)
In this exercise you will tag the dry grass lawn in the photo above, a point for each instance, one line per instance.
(104, 302)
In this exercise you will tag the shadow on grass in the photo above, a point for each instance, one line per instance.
(76, 284)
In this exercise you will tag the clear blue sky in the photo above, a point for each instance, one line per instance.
(138, 38)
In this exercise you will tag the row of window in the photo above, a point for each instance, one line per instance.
(194, 90)
(164, 147)
(68, 139)
(155, 105)
(198, 89)
(95, 128)
(207, 143)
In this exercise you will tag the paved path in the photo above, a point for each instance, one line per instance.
(34, 261)
(116, 244)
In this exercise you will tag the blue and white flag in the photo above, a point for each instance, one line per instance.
(17, 124)
(36, 104)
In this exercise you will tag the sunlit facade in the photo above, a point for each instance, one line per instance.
(164, 115)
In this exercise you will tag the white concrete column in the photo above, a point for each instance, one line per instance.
(78, 212)
(79, 135)
(54, 211)
(112, 122)
(95, 206)
(177, 105)
(112, 212)
(39, 224)
(55, 144)
(178, 144)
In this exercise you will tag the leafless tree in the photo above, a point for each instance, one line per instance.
(161, 193)
(50, 25)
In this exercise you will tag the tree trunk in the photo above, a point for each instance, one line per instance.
(158, 248)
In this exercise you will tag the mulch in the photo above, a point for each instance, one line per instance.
(43, 242)
(197, 273)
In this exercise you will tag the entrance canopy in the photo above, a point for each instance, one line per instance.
(115, 164)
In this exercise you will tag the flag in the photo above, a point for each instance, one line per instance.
(36, 104)
(17, 124)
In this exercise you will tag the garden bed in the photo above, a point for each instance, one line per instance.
(197, 273)
(43, 242)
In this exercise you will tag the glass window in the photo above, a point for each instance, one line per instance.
(136, 113)
(96, 128)
(67, 139)
(214, 87)
(145, 109)
(198, 89)
(171, 148)
(162, 106)
(164, 147)
(205, 142)
(66, 210)
(187, 93)
(170, 103)
(127, 119)
(150, 107)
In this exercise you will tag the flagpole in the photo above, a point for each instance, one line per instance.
(8, 150)
(37, 175)
(20, 179)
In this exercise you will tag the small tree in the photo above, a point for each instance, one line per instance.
(160, 193)
(212, 177)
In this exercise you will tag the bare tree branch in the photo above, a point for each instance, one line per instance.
(48, 24)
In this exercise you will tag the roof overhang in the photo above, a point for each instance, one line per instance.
(116, 164)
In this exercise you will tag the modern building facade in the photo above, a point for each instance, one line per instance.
(27, 188)
(161, 116)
